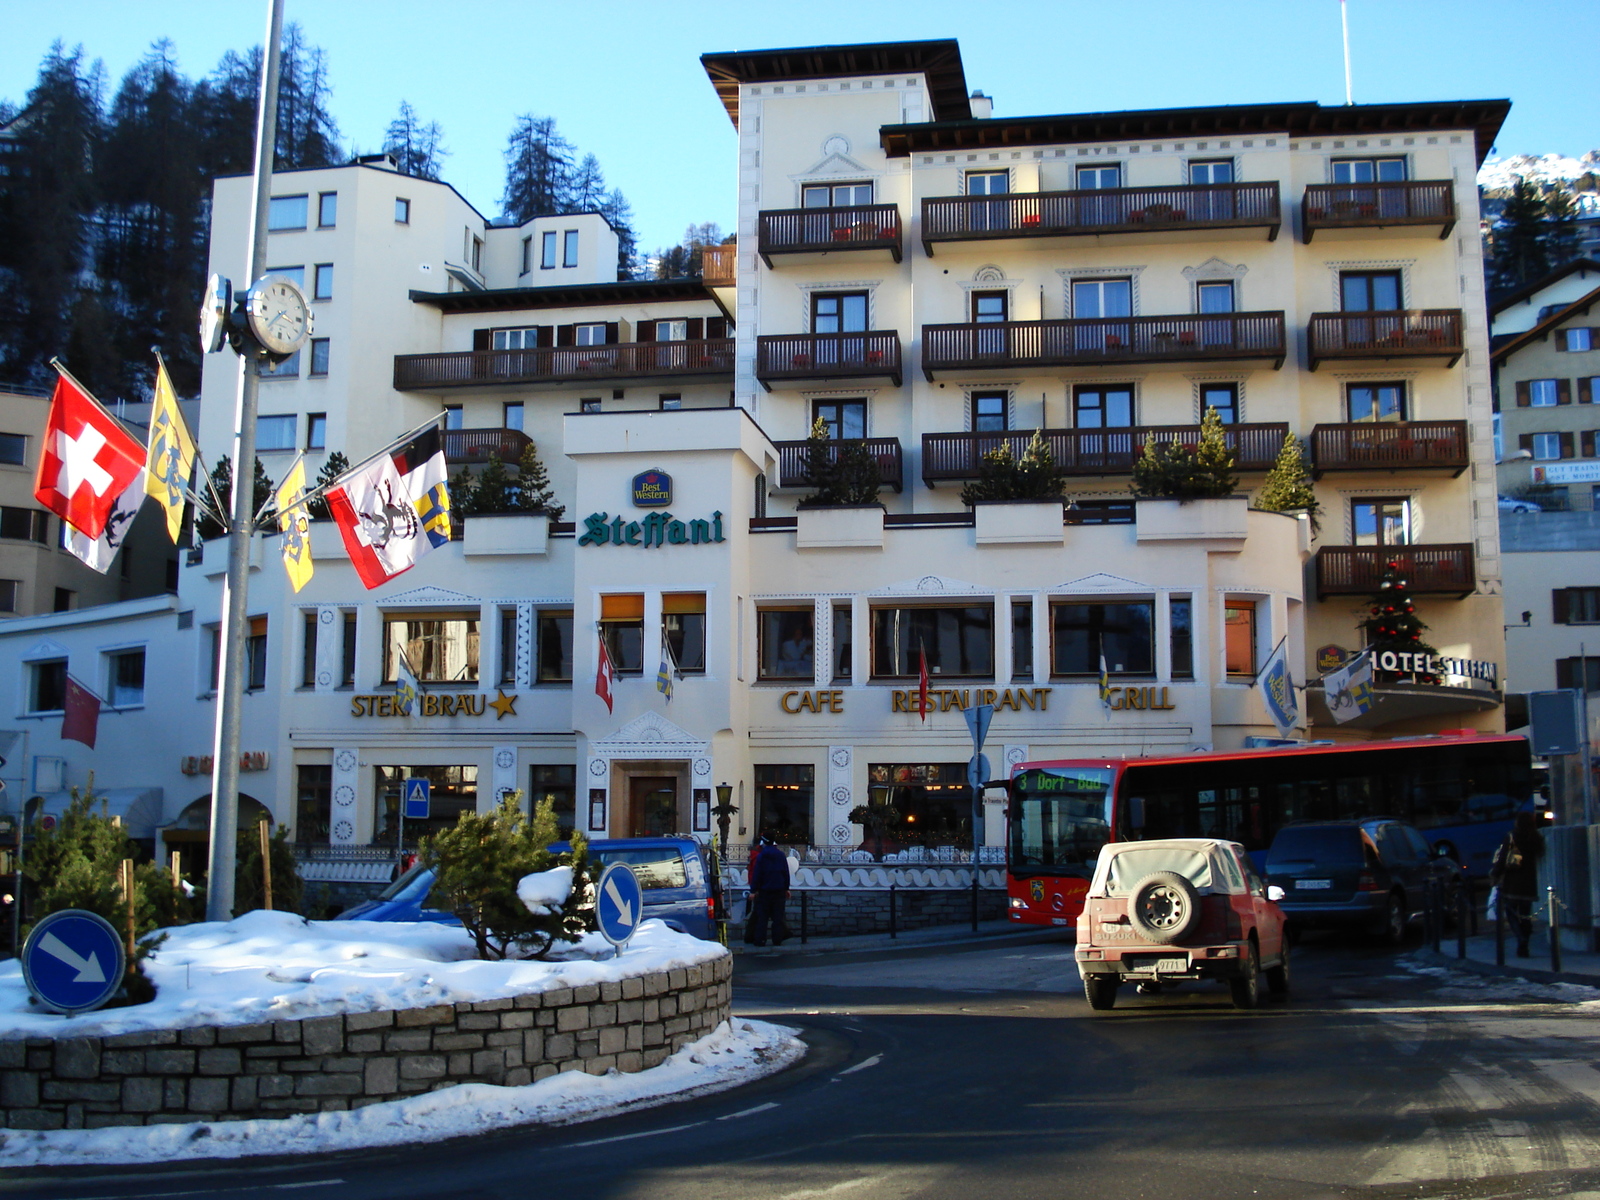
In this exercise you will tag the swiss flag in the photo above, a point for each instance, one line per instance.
(606, 676)
(87, 460)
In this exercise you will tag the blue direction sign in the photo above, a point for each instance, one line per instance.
(618, 904)
(73, 961)
(418, 793)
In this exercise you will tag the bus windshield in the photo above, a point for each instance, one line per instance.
(1060, 817)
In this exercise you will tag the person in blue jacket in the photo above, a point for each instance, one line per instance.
(769, 885)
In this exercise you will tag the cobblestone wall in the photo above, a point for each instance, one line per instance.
(325, 1064)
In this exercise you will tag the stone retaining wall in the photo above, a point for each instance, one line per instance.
(326, 1064)
(842, 912)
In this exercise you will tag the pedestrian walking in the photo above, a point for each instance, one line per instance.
(769, 885)
(1515, 871)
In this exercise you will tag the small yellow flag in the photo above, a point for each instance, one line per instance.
(296, 527)
(169, 461)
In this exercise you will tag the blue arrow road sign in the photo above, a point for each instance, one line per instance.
(978, 718)
(73, 961)
(618, 904)
(417, 794)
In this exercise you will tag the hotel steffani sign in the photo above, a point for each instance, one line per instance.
(651, 489)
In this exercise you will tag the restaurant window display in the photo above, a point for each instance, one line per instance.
(931, 803)
(313, 804)
(957, 641)
(787, 642)
(454, 790)
(440, 648)
(784, 798)
(558, 783)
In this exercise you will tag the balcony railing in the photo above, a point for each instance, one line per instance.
(1358, 570)
(793, 470)
(824, 230)
(1390, 446)
(477, 445)
(719, 265)
(953, 457)
(1107, 210)
(632, 360)
(1416, 333)
(1090, 341)
(782, 358)
(1368, 205)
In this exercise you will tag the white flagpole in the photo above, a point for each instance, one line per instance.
(1344, 21)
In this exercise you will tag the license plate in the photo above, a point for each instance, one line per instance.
(1172, 964)
(1313, 885)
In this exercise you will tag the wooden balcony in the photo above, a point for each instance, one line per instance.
(810, 357)
(1445, 570)
(1171, 213)
(478, 445)
(719, 265)
(709, 358)
(816, 231)
(954, 457)
(1390, 446)
(1330, 207)
(1021, 345)
(1429, 334)
(792, 472)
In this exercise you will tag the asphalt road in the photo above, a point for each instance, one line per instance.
(973, 1073)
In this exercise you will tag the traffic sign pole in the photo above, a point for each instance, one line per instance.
(978, 718)
(73, 961)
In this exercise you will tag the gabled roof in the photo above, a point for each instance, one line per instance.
(576, 295)
(1529, 290)
(1505, 349)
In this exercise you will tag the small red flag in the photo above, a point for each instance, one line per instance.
(86, 460)
(922, 682)
(605, 676)
(81, 717)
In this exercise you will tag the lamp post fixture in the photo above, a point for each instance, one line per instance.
(723, 811)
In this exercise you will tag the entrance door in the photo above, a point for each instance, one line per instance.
(653, 806)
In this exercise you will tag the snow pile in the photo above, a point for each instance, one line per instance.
(545, 892)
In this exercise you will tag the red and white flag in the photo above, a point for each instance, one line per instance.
(86, 462)
(393, 511)
(605, 677)
(80, 717)
(922, 682)
(100, 552)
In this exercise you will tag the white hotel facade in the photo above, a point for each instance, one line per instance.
(918, 274)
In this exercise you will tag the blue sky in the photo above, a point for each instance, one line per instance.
(623, 79)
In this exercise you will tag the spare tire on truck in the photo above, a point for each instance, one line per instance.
(1164, 907)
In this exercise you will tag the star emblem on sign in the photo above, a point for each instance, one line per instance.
(503, 705)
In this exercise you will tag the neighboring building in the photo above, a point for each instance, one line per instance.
(1546, 359)
(927, 282)
(1552, 600)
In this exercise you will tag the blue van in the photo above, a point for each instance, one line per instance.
(672, 871)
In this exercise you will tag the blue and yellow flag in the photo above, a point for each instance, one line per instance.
(1277, 691)
(296, 526)
(169, 460)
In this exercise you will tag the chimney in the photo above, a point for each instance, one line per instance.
(982, 106)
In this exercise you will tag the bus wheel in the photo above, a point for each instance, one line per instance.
(1100, 991)
(1164, 907)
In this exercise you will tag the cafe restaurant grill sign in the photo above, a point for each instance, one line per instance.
(651, 489)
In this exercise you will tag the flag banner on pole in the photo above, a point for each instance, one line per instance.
(1348, 690)
(169, 461)
(394, 510)
(1277, 690)
(922, 682)
(101, 551)
(669, 668)
(407, 688)
(295, 525)
(86, 461)
(80, 719)
(605, 676)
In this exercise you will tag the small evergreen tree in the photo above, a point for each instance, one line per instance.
(1288, 485)
(538, 169)
(1003, 476)
(1175, 471)
(222, 481)
(494, 491)
(481, 859)
(248, 878)
(843, 472)
(463, 495)
(534, 493)
(1392, 624)
(336, 465)
(416, 148)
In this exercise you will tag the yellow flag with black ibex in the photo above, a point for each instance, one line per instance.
(169, 460)
(296, 526)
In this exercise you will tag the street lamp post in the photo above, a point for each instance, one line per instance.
(723, 811)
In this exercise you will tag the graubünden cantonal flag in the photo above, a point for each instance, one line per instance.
(395, 509)
(87, 460)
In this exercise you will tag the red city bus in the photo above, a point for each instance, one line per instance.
(1461, 791)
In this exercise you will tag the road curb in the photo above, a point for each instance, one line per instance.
(1495, 970)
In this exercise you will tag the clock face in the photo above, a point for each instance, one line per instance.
(278, 315)
(214, 314)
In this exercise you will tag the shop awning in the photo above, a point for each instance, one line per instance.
(139, 808)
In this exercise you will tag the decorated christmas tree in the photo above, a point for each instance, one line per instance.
(1393, 625)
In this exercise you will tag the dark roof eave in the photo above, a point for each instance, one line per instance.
(1529, 290)
(1498, 355)
(648, 291)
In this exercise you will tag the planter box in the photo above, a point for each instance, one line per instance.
(1015, 522)
(215, 554)
(506, 534)
(826, 528)
(1220, 522)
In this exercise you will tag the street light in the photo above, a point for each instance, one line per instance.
(723, 811)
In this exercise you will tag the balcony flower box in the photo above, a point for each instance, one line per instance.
(504, 534)
(1018, 522)
(800, 360)
(842, 234)
(1030, 219)
(1218, 522)
(851, 526)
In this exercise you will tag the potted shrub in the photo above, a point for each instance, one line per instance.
(511, 514)
(843, 510)
(1016, 499)
(1186, 491)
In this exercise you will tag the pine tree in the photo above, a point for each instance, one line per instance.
(307, 133)
(534, 493)
(1392, 623)
(249, 879)
(336, 465)
(416, 148)
(222, 482)
(1004, 476)
(587, 188)
(1172, 470)
(1536, 233)
(619, 212)
(493, 491)
(1287, 486)
(225, 114)
(842, 472)
(538, 166)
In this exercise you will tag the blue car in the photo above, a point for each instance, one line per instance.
(672, 872)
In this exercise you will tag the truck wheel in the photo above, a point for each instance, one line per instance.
(1278, 976)
(1164, 907)
(1100, 991)
(1246, 988)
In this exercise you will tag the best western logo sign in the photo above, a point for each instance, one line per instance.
(651, 489)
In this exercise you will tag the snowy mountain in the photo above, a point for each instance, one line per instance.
(1551, 170)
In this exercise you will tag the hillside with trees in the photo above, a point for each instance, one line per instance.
(1531, 208)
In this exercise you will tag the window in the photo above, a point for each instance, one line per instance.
(1578, 673)
(511, 414)
(63, 600)
(308, 648)
(1577, 339)
(1093, 178)
(957, 640)
(453, 790)
(348, 651)
(1224, 397)
(1577, 605)
(327, 209)
(25, 524)
(1369, 291)
(1085, 633)
(591, 405)
(1368, 170)
(784, 799)
(316, 431)
(319, 356)
(508, 647)
(989, 412)
(569, 248)
(1211, 170)
(10, 594)
(322, 282)
(547, 250)
(1215, 296)
(555, 646)
(592, 334)
(475, 253)
(1180, 612)
(1239, 637)
(835, 195)
(527, 254)
(996, 215)
(843, 643)
(1376, 401)
(1102, 406)
(785, 640)
(442, 648)
(1589, 390)
(14, 449)
(286, 212)
(683, 627)
(1381, 522)
(255, 655)
(1541, 393)
(1022, 639)
(831, 312)
(672, 331)
(518, 339)
(670, 402)
(557, 783)
(275, 433)
(452, 416)
(47, 686)
(289, 368)
(1546, 446)
(402, 211)
(841, 418)
(1102, 298)
(988, 183)
(313, 810)
(622, 627)
(295, 275)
